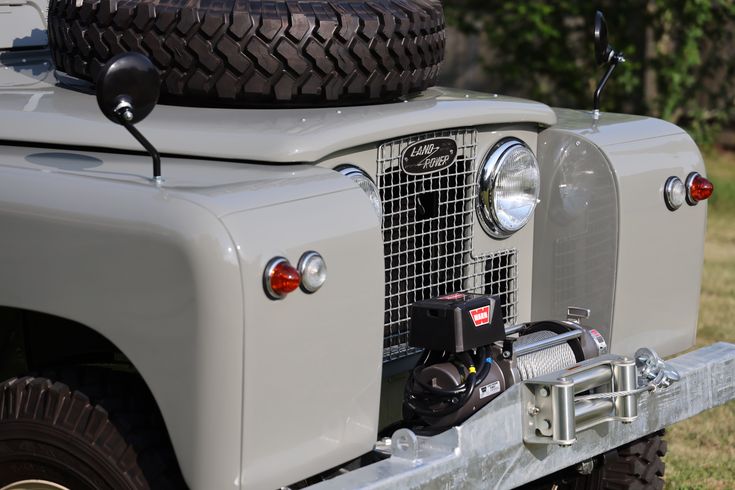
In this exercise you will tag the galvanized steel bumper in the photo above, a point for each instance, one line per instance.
(488, 450)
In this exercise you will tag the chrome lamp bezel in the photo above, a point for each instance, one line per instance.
(348, 170)
(486, 179)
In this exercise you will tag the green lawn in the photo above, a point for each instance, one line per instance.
(702, 449)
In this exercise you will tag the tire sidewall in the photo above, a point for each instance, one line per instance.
(36, 450)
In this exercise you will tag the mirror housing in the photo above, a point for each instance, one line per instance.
(604, 55)
(128, 84)
(128, 87)
(602, 47)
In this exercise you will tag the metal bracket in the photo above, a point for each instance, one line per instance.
(576, 314)
(507, 351)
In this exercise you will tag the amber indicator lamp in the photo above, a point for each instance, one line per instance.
(280, 278)
(698, 188)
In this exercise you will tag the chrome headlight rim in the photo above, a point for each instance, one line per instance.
(351, 171)
(487, 178)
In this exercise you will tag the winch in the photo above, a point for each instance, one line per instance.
(470, 356)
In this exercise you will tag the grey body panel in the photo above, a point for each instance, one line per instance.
(147, 268)
(173, 277)
(67, 117)
(312, 367)
(487, 451)
(575, 253)
(660, 253)
(23, 24)
(636, 264)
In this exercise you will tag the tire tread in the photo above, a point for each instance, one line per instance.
(247, 52)
(634, 466)
(118, 420)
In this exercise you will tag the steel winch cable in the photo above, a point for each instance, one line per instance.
(544, 361)
(615, 394)
(661, 379)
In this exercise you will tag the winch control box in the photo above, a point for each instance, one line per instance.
(457, 322)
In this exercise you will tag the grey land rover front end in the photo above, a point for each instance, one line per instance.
(307, 267)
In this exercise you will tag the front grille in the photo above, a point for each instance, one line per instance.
(427, 233)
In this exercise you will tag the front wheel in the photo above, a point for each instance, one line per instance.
(635, 466)
(54, 438)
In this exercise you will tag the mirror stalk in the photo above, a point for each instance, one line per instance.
(128, 87)
(125, 115)
(615, 59)
(149, 148)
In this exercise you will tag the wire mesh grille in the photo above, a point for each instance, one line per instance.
(427, 233)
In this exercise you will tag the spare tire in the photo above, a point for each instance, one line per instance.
(247, 52)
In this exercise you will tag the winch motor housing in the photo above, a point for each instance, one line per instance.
(470, 357)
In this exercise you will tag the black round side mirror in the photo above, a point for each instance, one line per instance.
(128, 87)
(602, 48)
(127, 91)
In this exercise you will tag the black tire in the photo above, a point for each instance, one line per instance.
(49, 432)
(249, 52)
(634, 466)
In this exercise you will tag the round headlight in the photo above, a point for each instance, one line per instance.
(363, 180)
(509, 185)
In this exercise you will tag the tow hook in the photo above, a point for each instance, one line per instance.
(654, 369)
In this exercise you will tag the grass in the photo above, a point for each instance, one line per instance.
(702, 449)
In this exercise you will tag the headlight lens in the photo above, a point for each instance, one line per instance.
(509, 185)
(363, 180)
